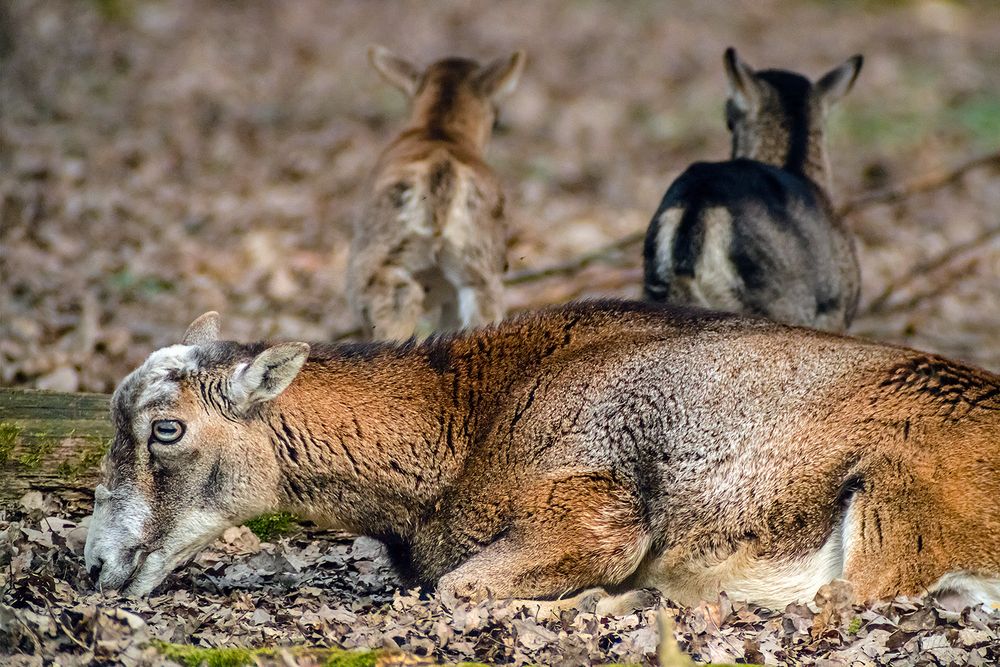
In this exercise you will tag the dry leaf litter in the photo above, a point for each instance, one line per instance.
(327, 589)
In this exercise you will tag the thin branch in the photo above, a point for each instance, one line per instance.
(604, 254)
(925, 183)
(879, 303)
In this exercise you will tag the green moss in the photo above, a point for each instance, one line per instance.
(8, 434)
(269, 526)
(855, 625)
(193, 656)
(979, 117)
(36, 449)
(351, 659)
(86, 460)
(114, 10)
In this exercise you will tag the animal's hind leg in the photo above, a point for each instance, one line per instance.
(481, 303)
(904, 537)
(478, 287)
(571, 533)
(392, 303)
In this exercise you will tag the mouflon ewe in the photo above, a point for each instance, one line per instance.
(612, 444)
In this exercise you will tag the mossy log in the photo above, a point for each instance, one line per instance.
(51, 442)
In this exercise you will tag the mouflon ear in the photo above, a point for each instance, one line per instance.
(743, 86)
(499, 78)
(269, 374)
(838, 82)
(396, 70)
(205, 329)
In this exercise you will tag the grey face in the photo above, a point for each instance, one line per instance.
(149, 515)
(188, 457)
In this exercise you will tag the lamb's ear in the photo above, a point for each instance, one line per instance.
(743, 89)
(838, 82)
(268, 374)
(398, 71)
(499, 78)
(205, 329)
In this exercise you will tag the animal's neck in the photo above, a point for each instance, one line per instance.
(816, 165)
(366, 445)
(802, 150)
(438, 120)
(369, 437)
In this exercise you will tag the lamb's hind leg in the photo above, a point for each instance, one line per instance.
(478, 287)
(392, 304)
(572, 533)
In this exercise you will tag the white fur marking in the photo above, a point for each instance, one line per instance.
(669, 221)
(715, 274)
(176, 358)
(971, 588)
(117, 527)
(771, 583)
(468, 306)
(190, 535)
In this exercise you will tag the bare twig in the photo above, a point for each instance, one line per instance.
(606, 253)
(925, 183)
(880, 303)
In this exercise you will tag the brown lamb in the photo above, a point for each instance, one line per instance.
(429, 247)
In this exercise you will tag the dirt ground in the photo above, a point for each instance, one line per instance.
(162, 159)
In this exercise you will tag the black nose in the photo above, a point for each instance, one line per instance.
(95, 569)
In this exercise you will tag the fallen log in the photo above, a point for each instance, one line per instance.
(51, 442)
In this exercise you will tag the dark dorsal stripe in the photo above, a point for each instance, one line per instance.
(793, 92)
(446, 77)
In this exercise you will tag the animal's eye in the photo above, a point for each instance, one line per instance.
(167, 431)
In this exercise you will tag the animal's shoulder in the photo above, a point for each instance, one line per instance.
(738, 182)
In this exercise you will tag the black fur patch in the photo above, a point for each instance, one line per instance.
(439, 356)
(214, 481)
(851, 485)
(397, 194)
(400, 555)
(441, 179)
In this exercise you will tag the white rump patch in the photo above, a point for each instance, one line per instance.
(669, 221)
(715, 275)
(771, 583)
(967, 589)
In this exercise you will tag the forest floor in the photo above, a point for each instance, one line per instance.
(319, 589)
(162, 159)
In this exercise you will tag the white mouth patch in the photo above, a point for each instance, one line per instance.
(191, 534)
(116, 533)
